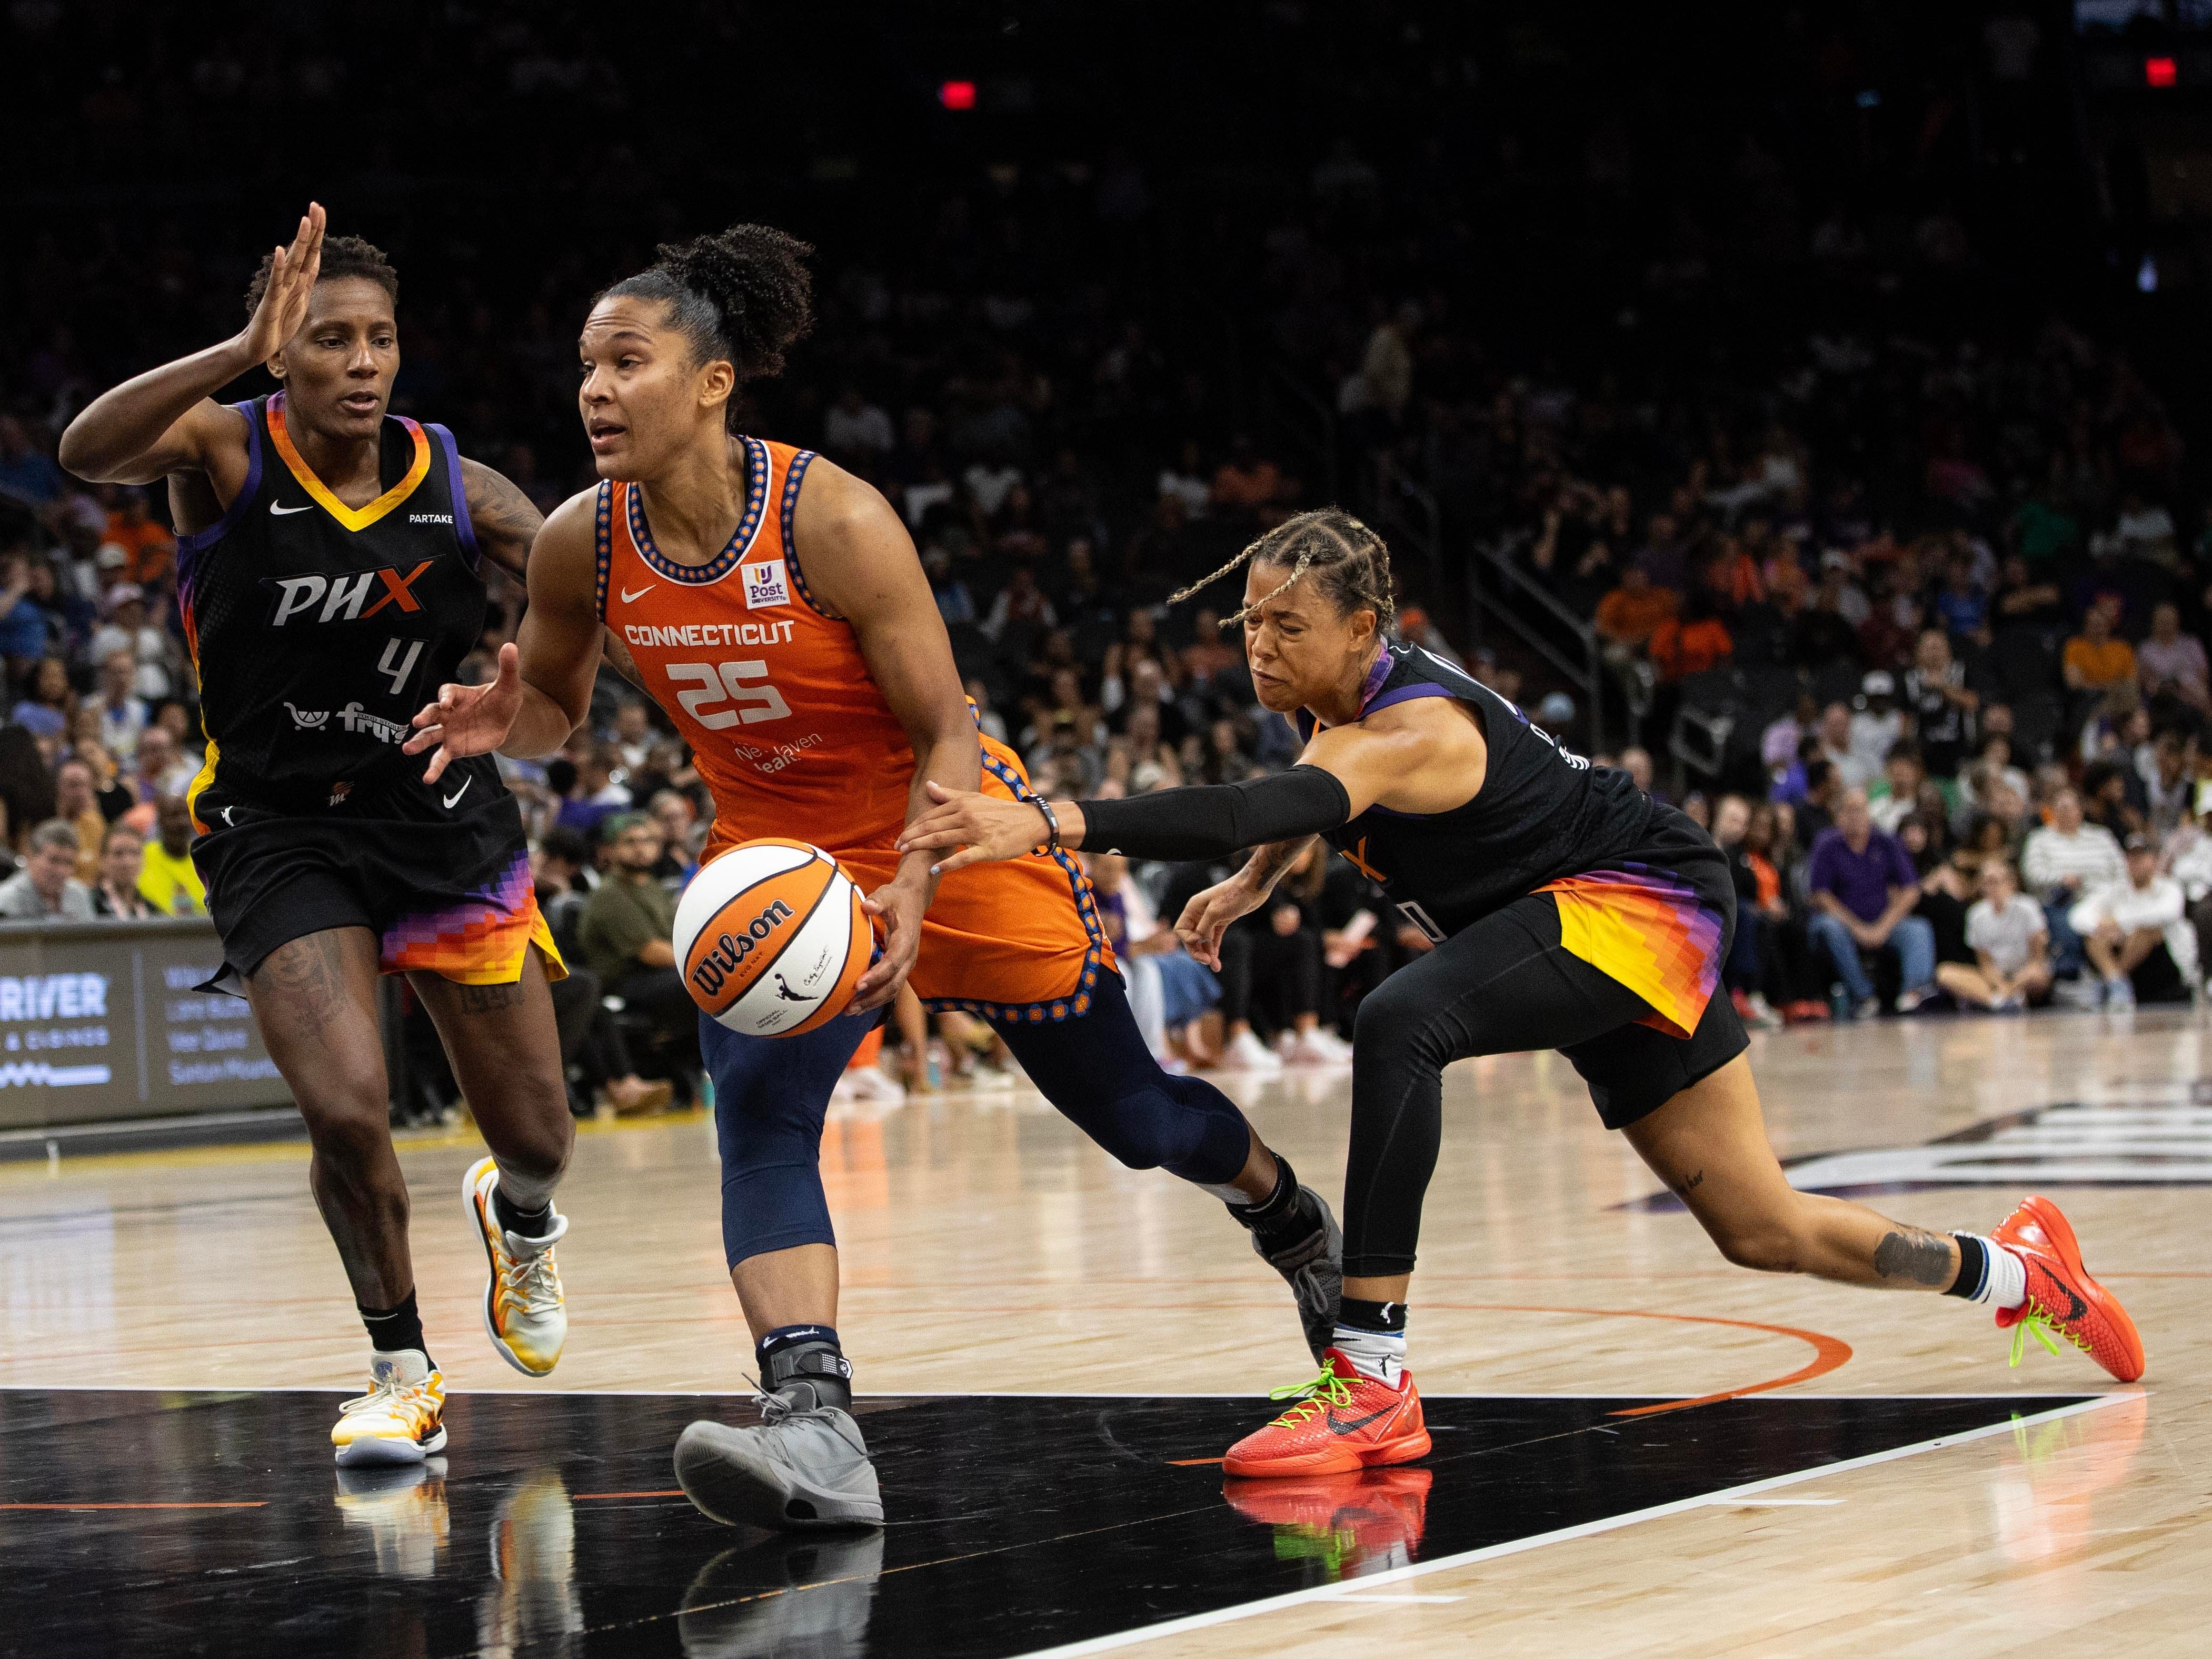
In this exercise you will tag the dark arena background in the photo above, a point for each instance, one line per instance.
(1801, 409)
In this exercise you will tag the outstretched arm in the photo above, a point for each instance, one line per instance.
(544, 689)
(861, 562)
(163, 420)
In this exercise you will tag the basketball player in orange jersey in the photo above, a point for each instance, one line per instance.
(775, 609)
(327, 575)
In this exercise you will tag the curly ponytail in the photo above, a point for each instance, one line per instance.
(743, 295)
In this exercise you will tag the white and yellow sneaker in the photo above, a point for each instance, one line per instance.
(523, 1314)
(402, 1418)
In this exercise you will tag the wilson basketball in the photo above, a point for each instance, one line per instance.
(771, 938)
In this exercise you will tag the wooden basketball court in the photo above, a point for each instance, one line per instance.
(1641, 1449)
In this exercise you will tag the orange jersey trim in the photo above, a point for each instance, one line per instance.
(351, 518)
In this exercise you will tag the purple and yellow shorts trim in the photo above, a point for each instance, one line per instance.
(481, 940)
(1650, 931)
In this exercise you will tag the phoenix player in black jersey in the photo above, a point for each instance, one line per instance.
(327, 577)
(1570, 911)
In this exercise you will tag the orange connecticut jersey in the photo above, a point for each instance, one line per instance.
(795, 739)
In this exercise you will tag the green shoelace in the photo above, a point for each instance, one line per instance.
(2046, 1330)
(1321, 1392)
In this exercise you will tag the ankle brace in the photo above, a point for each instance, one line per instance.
(809, 1374)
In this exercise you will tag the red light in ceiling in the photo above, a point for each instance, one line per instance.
(2158, 71)
(961, 94)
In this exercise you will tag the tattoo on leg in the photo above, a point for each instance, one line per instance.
(1684, 1188)
(1917, 1257)
(489, 999)
(308, 973)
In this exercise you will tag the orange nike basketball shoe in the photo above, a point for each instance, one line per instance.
(1343, 1421)
(522, 1310)
(2062, 1297)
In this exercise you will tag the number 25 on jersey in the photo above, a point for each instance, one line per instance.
(713, 688)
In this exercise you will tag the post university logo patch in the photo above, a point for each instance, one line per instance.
(766, 584)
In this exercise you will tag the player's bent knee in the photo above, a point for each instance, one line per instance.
(1767, 1245)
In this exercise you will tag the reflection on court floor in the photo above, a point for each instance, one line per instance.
(150, 1521)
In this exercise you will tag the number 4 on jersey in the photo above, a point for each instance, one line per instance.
(713, 686)
(398, 672)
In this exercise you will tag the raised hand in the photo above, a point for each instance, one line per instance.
(469, 720)
(283, 305)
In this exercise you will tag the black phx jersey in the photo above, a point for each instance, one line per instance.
(1642, 894)
(318, 629)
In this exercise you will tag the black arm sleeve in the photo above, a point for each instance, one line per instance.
(1213, 820)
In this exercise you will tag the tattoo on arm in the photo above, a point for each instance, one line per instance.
(507, 521)
(1266, 865)
(1916, 1257)
(1684, 1188)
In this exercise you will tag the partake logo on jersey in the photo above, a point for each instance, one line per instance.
(766, 584)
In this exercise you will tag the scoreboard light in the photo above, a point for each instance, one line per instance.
(961, 94)
(2158, 71)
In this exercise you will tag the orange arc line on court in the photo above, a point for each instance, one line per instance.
(259, 1505)
(1829, 1353)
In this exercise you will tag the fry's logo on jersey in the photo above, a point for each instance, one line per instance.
(346, 598)
(765, 584)
(714, 969)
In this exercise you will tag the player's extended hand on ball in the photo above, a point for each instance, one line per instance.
(983, 826)
(898, 905)
(469, 720)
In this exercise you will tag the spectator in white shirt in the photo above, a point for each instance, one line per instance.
(2126, 925)
(2061, 861)
(1876, 725)
(122, 711)
(126, 630)
(2188, 854)
(2011, 943)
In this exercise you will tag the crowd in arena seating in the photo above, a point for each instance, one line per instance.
(1909, 610)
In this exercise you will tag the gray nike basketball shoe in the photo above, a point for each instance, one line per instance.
(1313, 1266)
(804, 1466)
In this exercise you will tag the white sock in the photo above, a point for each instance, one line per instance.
(2004, 1279)
(1378, 1354)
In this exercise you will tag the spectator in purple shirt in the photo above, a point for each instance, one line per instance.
(1863, 890)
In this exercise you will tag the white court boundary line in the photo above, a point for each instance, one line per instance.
(519, 1392)
(1351, 1588)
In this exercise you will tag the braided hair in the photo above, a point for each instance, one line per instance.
(342, 257)
(743, 296)
(1348, 562)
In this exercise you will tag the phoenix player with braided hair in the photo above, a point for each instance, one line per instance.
(773, 605)
(327, 575)
(1570, 911)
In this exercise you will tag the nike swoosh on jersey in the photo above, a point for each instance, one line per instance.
(458, 792)
(278, 511)
(629, 598)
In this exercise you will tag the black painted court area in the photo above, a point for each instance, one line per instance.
(1017, 1523)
